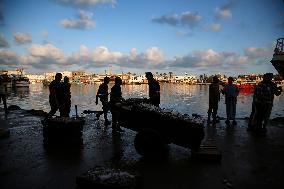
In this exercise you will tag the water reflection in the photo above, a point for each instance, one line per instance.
(182, 98)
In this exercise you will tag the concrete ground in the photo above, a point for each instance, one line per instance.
(248, 161)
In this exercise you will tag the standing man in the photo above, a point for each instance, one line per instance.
(214, 98)
(3, 89)
(231, 93)
(263, 102)
(103, 95)
(56, 96)
(115, 97)
(67, 96)
(154, 89)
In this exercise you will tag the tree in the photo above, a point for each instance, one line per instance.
(201, 78)
(171, 74)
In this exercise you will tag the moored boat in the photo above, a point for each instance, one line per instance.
(278, 57)
(20, 81)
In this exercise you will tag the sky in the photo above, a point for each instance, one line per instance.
(231, 37)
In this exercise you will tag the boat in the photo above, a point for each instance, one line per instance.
(278, 57)
(246, 85)
(20, 81)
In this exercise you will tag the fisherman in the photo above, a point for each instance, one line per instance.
(103, 95)
(67, 96)
(115, 97)
(154, 89)
(231, 93)
(214, 98)
(56, 97)
(263, 102)
(3, 90)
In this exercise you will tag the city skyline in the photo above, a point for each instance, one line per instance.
(224, 36)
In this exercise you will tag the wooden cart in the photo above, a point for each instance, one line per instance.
(157, 127)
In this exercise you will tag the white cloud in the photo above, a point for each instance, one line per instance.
(84, 21)
(102, 54)
(254, 52)
(154, 55)
(215, 27)
(86, 3)
(40, 56)
(46, 51)
(22, 37)
(3, 41)
(209, 59)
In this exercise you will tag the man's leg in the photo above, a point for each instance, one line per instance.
(105, 110)
(52, 111)
(5, 103)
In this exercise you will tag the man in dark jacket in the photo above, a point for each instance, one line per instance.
(115, 97)
(214, 98)
(67, 96)
(56, 96)
(154, 89)
(103, 95)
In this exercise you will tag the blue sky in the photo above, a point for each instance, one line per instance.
(193, 36)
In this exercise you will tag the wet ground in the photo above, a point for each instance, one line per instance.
(248, 160)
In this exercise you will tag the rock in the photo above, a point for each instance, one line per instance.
(14, 107)
(278, 119)
(37, 112)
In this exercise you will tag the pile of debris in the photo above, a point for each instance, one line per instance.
(100, 177)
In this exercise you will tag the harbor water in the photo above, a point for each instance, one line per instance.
(186, 99)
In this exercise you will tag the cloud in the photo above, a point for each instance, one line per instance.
(101, 56)
(225, 11)
(257, 55)
(84, 21)
(45, 56)
(185, 19)
(208, 59)
(85, 3)
(22, 37)
(215, 27)
(254, 52)
(8, 58)
(46, 51)
(171, 19)
(3, 42)
(44, 33)
(190, 19)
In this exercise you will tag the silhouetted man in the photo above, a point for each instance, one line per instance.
(263, 102)
(115, 97)
(214, 98)
(56, 97)
(103, 95)
(231, 93)
(67, 96)
(154, 89)
(3, 89)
